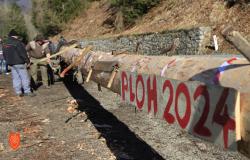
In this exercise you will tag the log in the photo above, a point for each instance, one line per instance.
(235, 38)
(214, 71)
(185, 68)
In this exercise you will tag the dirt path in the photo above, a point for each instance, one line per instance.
(101, 129)
(45, 134)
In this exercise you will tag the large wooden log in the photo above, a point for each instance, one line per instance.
(218, 70)
(222, 71)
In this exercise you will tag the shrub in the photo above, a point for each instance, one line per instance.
(133, 9)
(50, 16)
(12, 18)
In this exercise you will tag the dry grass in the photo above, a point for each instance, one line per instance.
(90, 22)
(170, 14)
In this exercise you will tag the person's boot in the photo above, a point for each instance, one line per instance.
(30, 94)
(46, 87)
(20, 94)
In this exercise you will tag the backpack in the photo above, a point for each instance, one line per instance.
(52, 48)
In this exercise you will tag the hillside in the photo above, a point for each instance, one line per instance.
(168, 15)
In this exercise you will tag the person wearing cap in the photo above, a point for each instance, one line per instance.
(16, 56)
(37, 50)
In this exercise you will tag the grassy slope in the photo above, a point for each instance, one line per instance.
(170, 14)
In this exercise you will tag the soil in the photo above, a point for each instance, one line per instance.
(74, 122)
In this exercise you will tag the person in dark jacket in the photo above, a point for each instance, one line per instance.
(16, 56)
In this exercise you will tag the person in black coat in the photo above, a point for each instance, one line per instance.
(16, 56)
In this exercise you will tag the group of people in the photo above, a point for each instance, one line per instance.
(24, 61)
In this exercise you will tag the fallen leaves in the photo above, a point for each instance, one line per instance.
(32, 129)
(72, 109)
(63, 142)
(39, 143)
(1, 147)
(201, 146)
(2, 95)
(73, 105)
(81, 146)
(72, 102)
(46, 121)
(82, 114)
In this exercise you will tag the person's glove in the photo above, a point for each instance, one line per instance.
(28, 65)
(54, 69)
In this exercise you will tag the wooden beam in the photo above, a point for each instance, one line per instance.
(59, 53)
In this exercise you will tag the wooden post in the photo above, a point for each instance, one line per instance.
(112, 77)
(89, 74)
(237, 117)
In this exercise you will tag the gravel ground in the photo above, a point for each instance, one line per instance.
(101, 128)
